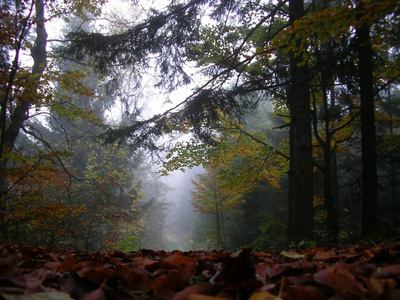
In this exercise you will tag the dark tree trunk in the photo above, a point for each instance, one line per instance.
(20, 114)
(330, 200)
(329, 169)
(38, 54)
(335, 193)
(369, 217)
(301, 165)
(393, 173)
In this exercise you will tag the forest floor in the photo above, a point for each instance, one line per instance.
(350, 272)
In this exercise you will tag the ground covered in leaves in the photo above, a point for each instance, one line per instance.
(351, 272)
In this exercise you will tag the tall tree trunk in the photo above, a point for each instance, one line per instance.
(393, 172)
(21, 112)
(327, 78)
(369, 216)
(223, 235)
(330, 201)
(329, 196)
(301, 165)
(335, 184)
(38, 53)
(217, 214)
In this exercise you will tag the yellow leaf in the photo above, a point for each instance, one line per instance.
(291, 254)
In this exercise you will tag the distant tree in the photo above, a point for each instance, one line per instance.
(212, 197)
(153, 209)
(388, 156)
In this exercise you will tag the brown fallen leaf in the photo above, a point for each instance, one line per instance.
(96, 274)
(201, 288)
(179, 259)
(77, 286)
(340, 279)
(264, 296)
(186, 272)
(299, 292)
(325, 256)
(276, 271)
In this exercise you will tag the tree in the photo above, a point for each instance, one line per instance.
(212, 197)
(388, 156)
(10, 126)
(16, 100)
(26, 94)
(368, 133)
(328, 114)
(244, 157)
(301, 165)
(240, 58)
(60, 186)
(339, 37)
(200, 109)
(153, 208)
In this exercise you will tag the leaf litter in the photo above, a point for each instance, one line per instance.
(349, 272)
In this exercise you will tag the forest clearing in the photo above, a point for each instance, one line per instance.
(350, 272)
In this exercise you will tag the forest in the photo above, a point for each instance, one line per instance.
(199, 124)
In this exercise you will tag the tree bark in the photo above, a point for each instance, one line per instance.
(38, 54)
(301, 166)
(369, 213)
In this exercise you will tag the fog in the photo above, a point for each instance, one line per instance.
(180, 216)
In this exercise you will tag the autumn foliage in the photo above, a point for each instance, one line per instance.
(351, 272)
